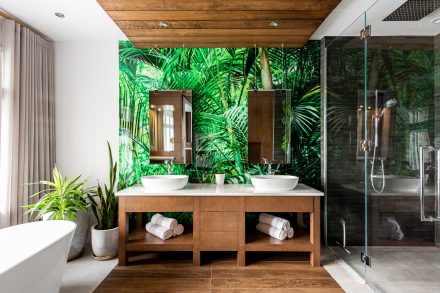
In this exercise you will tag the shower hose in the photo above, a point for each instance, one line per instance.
(372, 173)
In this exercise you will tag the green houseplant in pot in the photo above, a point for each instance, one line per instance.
(221, 171)
(65, 199)
(105, 209)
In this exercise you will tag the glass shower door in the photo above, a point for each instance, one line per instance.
(345, 105)
(381, 140)
(402, 110)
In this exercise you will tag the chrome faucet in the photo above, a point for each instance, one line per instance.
(170, 164)
(269, 166)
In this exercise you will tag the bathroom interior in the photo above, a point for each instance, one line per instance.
(217, 146)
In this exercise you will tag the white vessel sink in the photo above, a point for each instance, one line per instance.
(270, 183)
(165, 182)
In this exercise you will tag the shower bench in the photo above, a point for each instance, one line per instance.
(219, 220)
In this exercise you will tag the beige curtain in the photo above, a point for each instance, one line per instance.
(27, 149)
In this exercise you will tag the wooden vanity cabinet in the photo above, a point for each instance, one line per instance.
(219, 224)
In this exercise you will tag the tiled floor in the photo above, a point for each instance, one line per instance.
(400, 269)
(83, 275)
(347, 278)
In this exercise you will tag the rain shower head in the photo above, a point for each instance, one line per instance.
(413, 10)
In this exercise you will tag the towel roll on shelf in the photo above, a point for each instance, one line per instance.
(272, 231)
(277, 222)
(169, 223)
(178, 230)
(159, 231)
(290, 233)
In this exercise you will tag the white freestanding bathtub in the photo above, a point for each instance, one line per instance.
(33, 255)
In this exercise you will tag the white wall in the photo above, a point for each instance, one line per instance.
(86, 91)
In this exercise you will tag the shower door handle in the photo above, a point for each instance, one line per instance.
(422, 151)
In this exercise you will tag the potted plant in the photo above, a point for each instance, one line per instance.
(65, 199)
(221, 170)
(105, 209)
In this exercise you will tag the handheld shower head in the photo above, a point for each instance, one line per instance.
(390, 103)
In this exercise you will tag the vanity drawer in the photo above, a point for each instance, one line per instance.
(218, 241)
(159, 204)
(218, 221)
(220, 203)
(279, 204)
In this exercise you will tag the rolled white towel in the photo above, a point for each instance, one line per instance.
(159, 231)
(169, 223)
(290, 233)
(272, 231)
(178, 230)
(273, 221)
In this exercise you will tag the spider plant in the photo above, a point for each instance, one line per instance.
(62, 199)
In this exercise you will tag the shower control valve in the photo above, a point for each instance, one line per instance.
(365, 145)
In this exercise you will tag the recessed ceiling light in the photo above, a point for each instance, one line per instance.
(274, 24)
(436, 20)
(163, 24)
(59, 14)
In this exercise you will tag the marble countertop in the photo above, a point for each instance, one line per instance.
(205, 189)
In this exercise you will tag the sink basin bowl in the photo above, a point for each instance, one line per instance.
(164, 182)
(274, 182)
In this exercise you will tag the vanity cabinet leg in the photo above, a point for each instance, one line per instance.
(241, 258)
(123, 232)
(138, 221)
(196, 232)
(241, 253)
(315, 234)
(196, 257)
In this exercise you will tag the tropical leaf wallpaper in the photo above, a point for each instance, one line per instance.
(219, 80)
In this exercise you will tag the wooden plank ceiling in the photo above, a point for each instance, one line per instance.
(218, 23)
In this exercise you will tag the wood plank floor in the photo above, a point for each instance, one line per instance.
(156, 273)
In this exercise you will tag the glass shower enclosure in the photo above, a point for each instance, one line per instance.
(380, 150)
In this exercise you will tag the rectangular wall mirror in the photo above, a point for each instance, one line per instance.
(269, 132)
(170, 126)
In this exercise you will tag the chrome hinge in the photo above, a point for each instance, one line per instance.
(366, 259)
(365, 145)
(365, 33)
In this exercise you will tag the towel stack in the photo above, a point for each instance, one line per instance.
(164, 227)
(276, 227)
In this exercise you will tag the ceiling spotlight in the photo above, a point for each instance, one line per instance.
(163, 24)
(59, 14)
(274, 24)
(436, 20)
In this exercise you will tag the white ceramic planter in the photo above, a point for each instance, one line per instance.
(82, 222)
(220, 179)
(105, 243)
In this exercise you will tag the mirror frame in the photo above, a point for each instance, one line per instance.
(175, 98)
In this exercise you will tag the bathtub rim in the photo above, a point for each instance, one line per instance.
(71, 230)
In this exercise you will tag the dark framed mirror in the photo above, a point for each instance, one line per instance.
(170, 126)
(269, 133)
